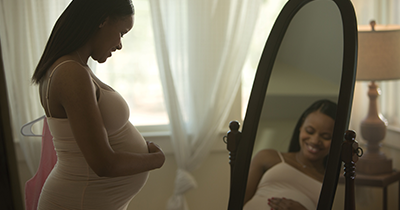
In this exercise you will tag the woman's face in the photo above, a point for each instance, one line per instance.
(108, 37)
(316, 135)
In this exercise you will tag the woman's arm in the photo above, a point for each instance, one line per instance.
(261, 162)
(72, 89)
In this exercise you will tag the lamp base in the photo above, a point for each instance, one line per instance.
(374, 164)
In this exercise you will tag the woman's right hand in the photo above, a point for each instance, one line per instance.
(155, 149)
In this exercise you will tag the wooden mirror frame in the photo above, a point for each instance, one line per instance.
(244, 142)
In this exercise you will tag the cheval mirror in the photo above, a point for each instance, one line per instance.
(310, 54)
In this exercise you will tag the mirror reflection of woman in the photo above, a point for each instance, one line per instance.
(293, 180)
(103, 161)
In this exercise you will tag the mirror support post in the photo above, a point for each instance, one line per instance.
(350, 153)
(232, 140)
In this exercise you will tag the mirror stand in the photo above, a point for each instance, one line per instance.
(241, 143)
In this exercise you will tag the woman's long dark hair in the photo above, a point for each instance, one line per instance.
(324, 106)
(76, 25)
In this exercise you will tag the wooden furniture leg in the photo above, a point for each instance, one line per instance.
(384, 198)
(382, 182)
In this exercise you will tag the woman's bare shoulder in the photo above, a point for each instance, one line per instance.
(69, 70)
(69, 79)
(267, 157)
(66, 72)
(268, 152)
(66, 62)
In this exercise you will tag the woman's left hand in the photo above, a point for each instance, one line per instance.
(285, 204)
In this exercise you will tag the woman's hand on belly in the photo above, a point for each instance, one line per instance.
(155, 149)
(285, 204)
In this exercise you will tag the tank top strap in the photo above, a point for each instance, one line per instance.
(94, 81)
(280, 156)
(48, 82)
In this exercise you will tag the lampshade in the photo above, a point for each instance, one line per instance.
(378, 52)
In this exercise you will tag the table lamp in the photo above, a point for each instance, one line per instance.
(378, 60)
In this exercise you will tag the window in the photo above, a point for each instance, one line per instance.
(390, 102)
(134, 73)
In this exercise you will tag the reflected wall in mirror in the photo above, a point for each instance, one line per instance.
(310, 55)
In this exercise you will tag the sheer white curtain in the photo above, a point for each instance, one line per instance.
(24, 29)
(201, 46)
(383, 12)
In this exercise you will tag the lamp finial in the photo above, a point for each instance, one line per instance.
(372, 23)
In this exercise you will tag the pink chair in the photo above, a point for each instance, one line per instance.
(48, 159)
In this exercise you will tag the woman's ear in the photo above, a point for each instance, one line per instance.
(104, 22)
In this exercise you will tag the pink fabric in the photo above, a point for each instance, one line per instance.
(48, 158)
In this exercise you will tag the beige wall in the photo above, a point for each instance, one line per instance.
(212, 191)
